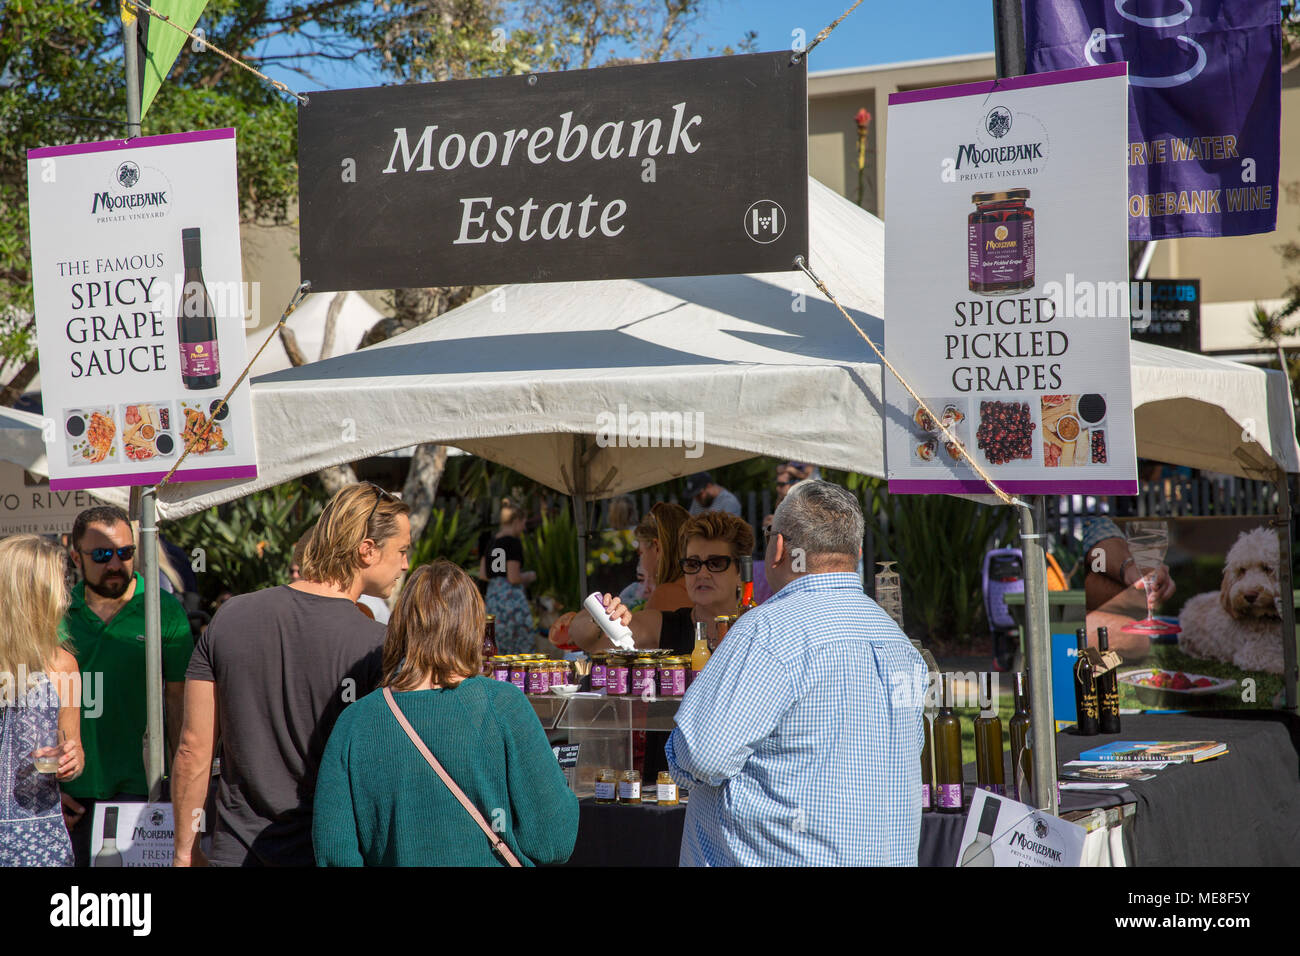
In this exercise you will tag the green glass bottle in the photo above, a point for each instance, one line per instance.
(989, 772)
(947, 754)
(1022, 769)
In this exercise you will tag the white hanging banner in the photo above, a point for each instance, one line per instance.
(140, 314)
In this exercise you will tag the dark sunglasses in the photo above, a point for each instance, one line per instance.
(719, 562)
(105, 555)
(380, 495)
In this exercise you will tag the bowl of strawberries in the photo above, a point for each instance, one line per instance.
(1175, 690)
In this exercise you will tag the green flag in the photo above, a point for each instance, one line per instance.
(164, 42)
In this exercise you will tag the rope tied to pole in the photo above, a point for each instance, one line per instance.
(141, 7)
(802, 264)
(201, 434)
(800, 54)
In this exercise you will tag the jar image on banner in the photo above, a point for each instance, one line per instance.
(1000, 243)
(196, 320)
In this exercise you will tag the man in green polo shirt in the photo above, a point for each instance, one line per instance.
(105, 622)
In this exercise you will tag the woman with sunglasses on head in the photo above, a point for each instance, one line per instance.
(712, 544)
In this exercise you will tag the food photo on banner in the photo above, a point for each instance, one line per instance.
(1217, 641)
(694, 167)
(1205, 104)
(1006, 252)
(140, 309)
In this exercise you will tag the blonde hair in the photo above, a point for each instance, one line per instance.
(332, 554)
(663, 523)
(33, 599)
(436, 629)
(510, 512)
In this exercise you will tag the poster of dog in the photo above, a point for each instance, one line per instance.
(1225, 606)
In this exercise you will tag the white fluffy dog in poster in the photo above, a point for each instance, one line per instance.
(1239, 624)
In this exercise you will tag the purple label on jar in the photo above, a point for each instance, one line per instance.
(672, 681)
(538, 682)
(1001, 251)
(517, 676)
(597, 676)
(616, 680)
(643, 681)
(950, 795)
(501, 673)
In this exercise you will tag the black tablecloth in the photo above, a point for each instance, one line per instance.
(1242, 809)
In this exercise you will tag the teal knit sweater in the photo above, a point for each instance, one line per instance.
(378, 803)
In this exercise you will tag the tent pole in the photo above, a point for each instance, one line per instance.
(1038, 652)
(1285, 585)
(153, 679)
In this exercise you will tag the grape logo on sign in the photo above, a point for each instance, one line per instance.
(765, 221)
(998, 122)
(128, 174)
(1040, 829)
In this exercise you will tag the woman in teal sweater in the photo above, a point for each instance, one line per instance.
(379, 803)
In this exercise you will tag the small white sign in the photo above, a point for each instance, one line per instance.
(1002, 832)
(132, 834)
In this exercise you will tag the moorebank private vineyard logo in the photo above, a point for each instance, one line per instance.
(995, 146)
(136, 193)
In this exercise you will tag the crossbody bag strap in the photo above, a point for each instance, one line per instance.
(498, 844)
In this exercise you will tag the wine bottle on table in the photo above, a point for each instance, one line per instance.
(980, 851)
(1021, 764)
(108, 854)
(196, 320)
(1085, 690)
(947, 753)
(990, 774)
(1107, 691)
(927, 750)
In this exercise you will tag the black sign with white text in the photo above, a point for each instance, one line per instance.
(695, 167)
(1168, 312)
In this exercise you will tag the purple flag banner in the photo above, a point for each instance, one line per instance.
(1205, 103)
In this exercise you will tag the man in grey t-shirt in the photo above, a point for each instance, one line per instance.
(271, 676)
(708, 495)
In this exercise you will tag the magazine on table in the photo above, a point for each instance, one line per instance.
(1170, 751)
(1107, 772)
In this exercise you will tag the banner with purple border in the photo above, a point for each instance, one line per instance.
(1205, 103)
(1006, 287)
(140, 309)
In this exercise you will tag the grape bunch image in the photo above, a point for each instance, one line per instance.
(1006, 432)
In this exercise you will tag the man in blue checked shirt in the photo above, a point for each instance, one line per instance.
(800, 741)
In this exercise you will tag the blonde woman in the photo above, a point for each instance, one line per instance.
(657, 540)
(502, 566)
(40, 717)
(378, 801)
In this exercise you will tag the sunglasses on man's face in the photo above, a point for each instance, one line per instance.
(717, 563)
(105, 555)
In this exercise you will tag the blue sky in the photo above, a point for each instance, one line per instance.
(879, 31)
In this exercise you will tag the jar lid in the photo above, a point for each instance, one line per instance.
(491, 617)
(631, 775)
(1000, 196)
(644, 660)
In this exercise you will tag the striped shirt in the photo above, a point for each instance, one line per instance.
(800, 742)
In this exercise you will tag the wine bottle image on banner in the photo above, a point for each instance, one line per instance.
(1107, 691)
(947, 753)
(980, 851)
(1021, 765)
(108, 854)
(990, 774)
(1085, 689)
(196, 320)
